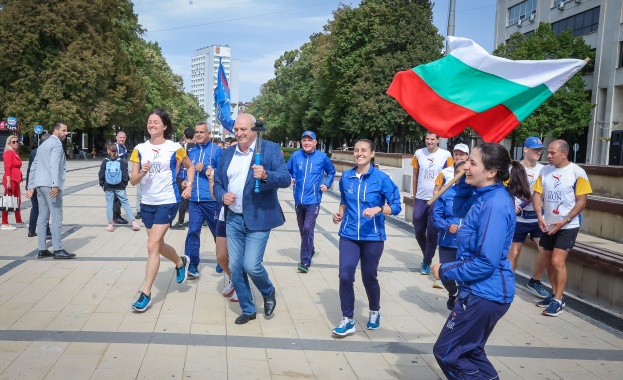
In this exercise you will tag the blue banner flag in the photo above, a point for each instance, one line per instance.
(222, 103)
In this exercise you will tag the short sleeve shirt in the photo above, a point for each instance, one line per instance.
(559, 187)
(158, 186)
(429, 165)
(532, 174)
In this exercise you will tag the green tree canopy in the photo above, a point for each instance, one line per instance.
(568, 111)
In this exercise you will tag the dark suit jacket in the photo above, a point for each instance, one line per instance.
(261, 211)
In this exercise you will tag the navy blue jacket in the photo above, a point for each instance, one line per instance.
(372, 189)
(482, 267)
(209, 154)
(308, 170)
(262, 211)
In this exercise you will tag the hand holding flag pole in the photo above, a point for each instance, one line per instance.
(258, 128)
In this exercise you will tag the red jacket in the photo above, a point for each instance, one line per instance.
(12, 166)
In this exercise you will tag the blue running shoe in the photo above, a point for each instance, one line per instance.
(346, 327)
(425, 268)
(193, 271)
(182, 272)
(374, 321)
(554, 309)
(219, 269)
(548, 300)
(538, 288)
(142, 303)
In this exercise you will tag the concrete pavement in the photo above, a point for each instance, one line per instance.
(72, 318)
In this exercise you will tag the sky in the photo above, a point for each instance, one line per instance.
(259, 31)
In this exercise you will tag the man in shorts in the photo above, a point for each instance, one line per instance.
(560, 194)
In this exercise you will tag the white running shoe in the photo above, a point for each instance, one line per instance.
(228, 290)
(8, 227)
(234, 297)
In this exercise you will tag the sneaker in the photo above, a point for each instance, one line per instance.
(548, 300)
(138, 215)
(437, 284)
(228, 290)
(193, 271)
(303, 268)
(120, 220)
(538, 288)
(142, 303)
(451, 301)
(135, 226)
(182, 272)
(374, 321)
(110, 228)
(346, 327)
(234, 297)
(21, 225)
(8, 227)
(425, 268)
(185, 224)
(554, 309)
(218, 269)
(177, 226)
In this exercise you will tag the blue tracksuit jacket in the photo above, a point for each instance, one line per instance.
(308, 173)
(209, 154)
(372, 189)
(484, 238)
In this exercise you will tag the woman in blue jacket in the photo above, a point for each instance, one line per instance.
(482, 269)
(367, 194)
(448, 225)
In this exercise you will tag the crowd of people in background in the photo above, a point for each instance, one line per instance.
(477, 224)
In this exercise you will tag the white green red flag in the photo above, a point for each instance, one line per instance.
(471, 88)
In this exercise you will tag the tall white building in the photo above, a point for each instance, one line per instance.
(598, 22)
(203, 80)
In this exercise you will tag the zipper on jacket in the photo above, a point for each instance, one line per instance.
(304, 178)
(197, 174)
(358, 207)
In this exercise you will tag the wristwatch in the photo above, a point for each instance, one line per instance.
(568, 219)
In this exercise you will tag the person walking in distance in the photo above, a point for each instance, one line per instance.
(34, 209)
(307, 168)
(154, 167)
(527, 221)
(248, 232)
(560, 194)
(12, 179)
(123, 155)
(113, 178)
(204, 155)
(47, 177)
(427, 163)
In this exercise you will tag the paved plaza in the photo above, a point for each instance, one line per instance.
(71, 319)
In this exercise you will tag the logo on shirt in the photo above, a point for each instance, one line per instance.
(431, 161)
(451, 322)
(350, 189)
(556, 180)
(156, 153)
(154, 168)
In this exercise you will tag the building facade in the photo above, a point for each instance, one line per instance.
(203, 80)
(598, 22)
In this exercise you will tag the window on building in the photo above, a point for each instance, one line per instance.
(589, 68)
(580, 24)
(620, 54)
(521, 11)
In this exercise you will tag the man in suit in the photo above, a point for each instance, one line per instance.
(47, 176)
(247, 234)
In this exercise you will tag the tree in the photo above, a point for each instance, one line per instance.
(568, 111)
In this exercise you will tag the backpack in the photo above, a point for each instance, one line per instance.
(113, 172)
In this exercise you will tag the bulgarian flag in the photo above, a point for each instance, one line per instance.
(471, 88)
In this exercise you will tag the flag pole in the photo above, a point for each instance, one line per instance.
(445, 187)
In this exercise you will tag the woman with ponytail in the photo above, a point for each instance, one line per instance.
(482, 270)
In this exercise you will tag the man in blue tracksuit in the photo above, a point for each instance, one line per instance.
(202, 206)
(307, 168)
